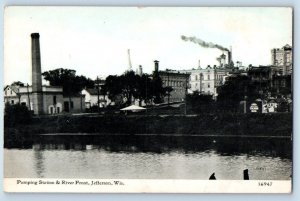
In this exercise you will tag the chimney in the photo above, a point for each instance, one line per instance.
(140, 71)
(156, 65)
(223, 59)
(229, 55)
(37, 93)
(129, 61)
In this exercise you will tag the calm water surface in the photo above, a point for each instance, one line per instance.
(135, 160)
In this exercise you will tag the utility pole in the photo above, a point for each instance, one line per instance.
(98, 93)
(186, 87)
(200, 78)
(168, 87)
(28, 97)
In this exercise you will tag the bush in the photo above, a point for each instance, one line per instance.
(16, 114)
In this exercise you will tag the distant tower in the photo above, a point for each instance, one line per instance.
(156, 66)
(199, 66)
(229, 55)
(140, 70)
(37, 92)
(129, 61)
(223, 59)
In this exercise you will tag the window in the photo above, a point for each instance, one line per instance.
(208, 77)
(54, 100)
(12, 102)
(5, 92)
(23, 104)
(58, 109)
(196, 77)
(208, 85)
(72, 104)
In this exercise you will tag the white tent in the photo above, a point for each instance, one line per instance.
(133, 108)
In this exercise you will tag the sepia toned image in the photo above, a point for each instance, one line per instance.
(148, 99)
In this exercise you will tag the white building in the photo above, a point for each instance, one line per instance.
(91, 98)
(206, 80)
(53, 100)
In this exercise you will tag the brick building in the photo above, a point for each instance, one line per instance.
(175, 79)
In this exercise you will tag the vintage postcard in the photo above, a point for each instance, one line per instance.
(148, 99)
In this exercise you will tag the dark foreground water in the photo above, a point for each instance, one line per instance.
(151, 157)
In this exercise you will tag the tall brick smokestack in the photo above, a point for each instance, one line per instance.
(37, 93)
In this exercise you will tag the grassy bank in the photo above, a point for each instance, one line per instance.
(277, 124)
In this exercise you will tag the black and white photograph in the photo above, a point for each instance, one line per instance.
(148, 99)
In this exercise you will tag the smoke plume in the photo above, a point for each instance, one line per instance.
(203, 43)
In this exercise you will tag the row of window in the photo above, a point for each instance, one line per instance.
(208, 85)
(218, 77)
(174, 83)
(202, 77)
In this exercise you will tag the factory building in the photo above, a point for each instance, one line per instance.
(175, 79)
(206, 80)
(52, 101)
(38, 98)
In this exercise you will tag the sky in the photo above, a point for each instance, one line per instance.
(94, 41)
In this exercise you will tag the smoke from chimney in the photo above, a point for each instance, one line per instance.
(202, 43)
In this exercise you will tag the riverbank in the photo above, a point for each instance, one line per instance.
(277, 124)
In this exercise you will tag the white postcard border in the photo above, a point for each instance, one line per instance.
(145, 186)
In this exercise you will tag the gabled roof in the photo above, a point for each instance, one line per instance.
(12, 87)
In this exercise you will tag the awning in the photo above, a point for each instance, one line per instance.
(133, 108)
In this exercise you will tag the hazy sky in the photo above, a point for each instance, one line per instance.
(94, 40)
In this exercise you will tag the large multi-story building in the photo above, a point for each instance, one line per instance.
(206, 80)
(178, 81)
(283, 59)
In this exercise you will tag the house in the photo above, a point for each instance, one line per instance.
(92, 95)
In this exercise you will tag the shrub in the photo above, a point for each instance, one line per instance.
(16, 114)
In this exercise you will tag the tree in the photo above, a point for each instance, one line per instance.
(113, 86)
(131, 86)
(143, 86)
(15, 114)
(157, 90)
(67, 78)
(18, 83)
(72, 84)
(198, 103)
(235, 90)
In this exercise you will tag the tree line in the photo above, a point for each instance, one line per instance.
(121, 89)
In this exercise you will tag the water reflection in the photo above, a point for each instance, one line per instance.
(274, 147)
(39, 160)
(151, 157)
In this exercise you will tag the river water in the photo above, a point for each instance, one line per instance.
(156, 157)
